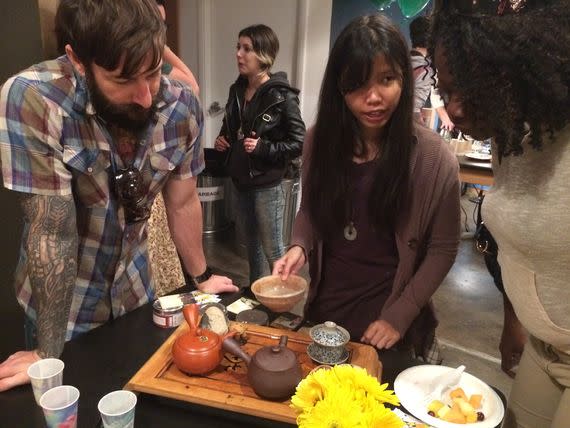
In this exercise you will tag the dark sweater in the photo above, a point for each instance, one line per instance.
(427, 237)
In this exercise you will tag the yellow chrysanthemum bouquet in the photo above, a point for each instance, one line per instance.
(344, 396)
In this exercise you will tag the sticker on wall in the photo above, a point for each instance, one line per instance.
(409, 8)
(210, 194)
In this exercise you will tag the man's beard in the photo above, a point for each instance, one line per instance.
(131, 117)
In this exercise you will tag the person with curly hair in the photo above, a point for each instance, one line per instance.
(504, 67)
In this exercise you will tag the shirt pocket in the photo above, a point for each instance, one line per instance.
(164, 158)
(90, 171)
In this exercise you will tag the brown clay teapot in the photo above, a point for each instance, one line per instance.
(200, 350)
(273, 372)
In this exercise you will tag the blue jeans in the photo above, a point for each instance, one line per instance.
(261, 211)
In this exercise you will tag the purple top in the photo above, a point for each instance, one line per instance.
(357, 275)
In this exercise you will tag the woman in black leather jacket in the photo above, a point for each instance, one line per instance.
(261, 133)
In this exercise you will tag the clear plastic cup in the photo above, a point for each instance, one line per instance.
(60, 406)
(45, 374)
(117, 409)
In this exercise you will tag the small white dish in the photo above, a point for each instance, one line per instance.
(411, 384)
(323, 355)
(478, 156)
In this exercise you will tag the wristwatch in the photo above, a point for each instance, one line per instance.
(204, 276)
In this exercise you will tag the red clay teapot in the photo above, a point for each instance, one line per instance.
(273, 371)
(200, 350)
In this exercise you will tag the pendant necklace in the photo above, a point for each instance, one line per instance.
(350, 232)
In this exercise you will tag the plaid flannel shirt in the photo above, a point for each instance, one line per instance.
(51, 143)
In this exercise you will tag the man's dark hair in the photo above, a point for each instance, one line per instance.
(337, 136)
(265, 43)
(419, 32)
(105, 32)
(512, 71)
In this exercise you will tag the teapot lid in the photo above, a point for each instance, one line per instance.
(329, 334)
(198, 341)
(275, 358)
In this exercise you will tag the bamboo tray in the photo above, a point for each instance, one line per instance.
(227, 386)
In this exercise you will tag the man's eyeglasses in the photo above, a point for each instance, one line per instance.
(131, 193)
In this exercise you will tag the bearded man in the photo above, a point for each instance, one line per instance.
(89, 139)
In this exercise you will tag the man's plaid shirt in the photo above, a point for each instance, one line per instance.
(51, 143)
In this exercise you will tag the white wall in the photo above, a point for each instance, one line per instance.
(208, 34)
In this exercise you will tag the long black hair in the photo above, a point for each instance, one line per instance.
(513, 71)
(337, 133)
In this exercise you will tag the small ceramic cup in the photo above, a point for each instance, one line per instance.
(329, 334)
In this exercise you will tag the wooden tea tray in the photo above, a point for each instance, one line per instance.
(227, 387)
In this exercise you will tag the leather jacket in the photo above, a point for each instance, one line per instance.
(273, 114)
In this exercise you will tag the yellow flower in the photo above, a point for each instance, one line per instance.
(334, 411)
(344, 397)
(381, 417)
(361, 380)
(309, 391)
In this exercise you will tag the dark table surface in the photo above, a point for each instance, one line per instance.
(106, 358)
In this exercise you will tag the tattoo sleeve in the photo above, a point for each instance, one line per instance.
(51, 247)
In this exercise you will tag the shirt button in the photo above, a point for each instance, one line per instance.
(413, 243)
(90, 170)
(170, 167)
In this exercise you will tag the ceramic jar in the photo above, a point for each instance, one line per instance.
(329, 340)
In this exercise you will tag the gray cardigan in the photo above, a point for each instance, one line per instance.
(427, 237)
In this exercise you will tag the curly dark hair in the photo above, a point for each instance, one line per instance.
(511, 70)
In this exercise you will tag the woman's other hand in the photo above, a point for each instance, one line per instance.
(381, 335)
(221, 144)
(250, 143)
(513, 339)
(290, 263)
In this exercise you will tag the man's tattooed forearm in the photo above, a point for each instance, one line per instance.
(51, 246)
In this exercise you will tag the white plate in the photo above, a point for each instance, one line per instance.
(410, 386)
(478, 156)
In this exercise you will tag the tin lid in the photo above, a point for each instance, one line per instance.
(253, 316)
(157, 307)
(329, 334)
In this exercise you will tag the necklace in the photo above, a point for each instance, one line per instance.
(350, 232)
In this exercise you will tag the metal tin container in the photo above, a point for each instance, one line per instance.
(166, 318)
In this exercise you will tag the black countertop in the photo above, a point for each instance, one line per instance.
(104, 360)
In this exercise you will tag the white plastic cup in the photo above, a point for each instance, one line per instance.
(117, 409)
(45, 374)
(60, 406)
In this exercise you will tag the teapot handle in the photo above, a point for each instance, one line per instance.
(192, 316)
(283, 341)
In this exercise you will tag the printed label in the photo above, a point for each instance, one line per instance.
(209, 194)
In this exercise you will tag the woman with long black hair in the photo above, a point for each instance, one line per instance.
(379, 218)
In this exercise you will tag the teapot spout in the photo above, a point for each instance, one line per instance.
(232, 346)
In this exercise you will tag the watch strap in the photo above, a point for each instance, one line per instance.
(203, 276)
